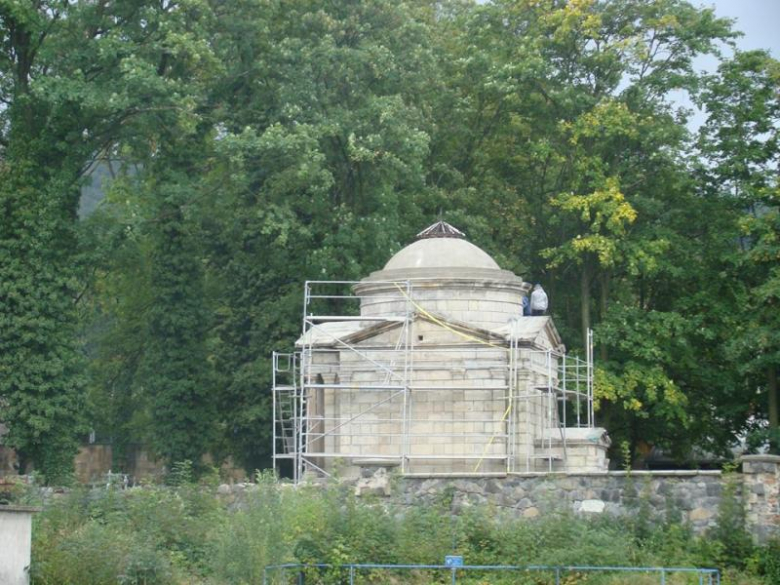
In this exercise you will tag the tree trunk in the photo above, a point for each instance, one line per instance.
(774, 440)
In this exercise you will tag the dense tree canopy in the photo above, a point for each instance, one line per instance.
(253, 144)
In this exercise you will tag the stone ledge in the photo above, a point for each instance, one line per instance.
(761, 459)
(455, 475)
(21, 509)
(565, 474)
(621, 473)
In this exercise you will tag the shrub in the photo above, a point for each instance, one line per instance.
(729, 532)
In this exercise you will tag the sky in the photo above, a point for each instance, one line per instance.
(758, 19)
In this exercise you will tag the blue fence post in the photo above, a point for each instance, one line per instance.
(351, 575)
(301, 579)
(454, 577)
(557, 576)
(265, 575)
(663, 577)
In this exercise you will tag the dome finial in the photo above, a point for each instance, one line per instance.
(441, 229)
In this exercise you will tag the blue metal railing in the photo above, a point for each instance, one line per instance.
(708, 576)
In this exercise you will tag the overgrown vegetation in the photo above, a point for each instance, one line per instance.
(184, 533)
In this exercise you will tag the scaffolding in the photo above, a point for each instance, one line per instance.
(368, 389)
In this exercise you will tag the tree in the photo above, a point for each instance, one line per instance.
(76, 79)
(603, 217)
(562, 119)
(174, 370)
(322, 144)
(741, 140)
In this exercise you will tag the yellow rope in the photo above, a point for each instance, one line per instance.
(471, 338)
(490, 442)
(445, 325)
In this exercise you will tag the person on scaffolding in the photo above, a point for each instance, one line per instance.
(526, 307)
(539, 301)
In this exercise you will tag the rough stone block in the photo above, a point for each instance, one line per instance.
(700, 515)
(592, 506)
(378, 484)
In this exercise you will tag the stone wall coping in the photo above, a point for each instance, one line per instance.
(761, 458)
(454, 475)
(562, 474)
(622, 473)
(20, 509)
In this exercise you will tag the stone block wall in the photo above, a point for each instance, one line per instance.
(761, 494)
(93, 462)
(8, 461)
(693, 496)
(534, 410)
(455, 407)
(688, 496)
(456, 411)
(485, 303)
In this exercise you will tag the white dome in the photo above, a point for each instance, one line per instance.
(448, 276)
(441, 253)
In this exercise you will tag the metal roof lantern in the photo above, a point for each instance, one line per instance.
(441, 229)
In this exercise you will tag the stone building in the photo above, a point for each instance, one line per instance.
(428, 365)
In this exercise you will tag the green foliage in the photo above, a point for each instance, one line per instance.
(41, 367)
(605, 214)
(741, 138)
(188, 535)
(174, 370)
(766, 561)
(147, 535)
(76, 80)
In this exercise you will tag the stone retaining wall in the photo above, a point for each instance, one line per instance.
(689, 496)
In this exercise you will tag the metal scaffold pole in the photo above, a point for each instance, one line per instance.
(511, 445)
(591, 417)
(304, 374)
(408, 373)
(273, 410)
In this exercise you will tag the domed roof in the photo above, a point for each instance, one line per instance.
(441, 252)
(440, 257)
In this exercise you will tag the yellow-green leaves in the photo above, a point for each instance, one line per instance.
(603, 218)
(608, 119)
(644, 390)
